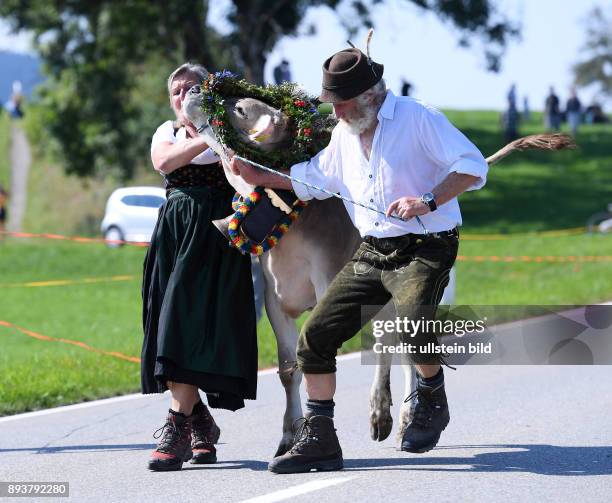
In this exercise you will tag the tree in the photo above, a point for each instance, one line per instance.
(107, 61)
(597, 67)
(259, 24)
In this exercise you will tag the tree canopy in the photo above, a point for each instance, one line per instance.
(596, 68)
(107, 61)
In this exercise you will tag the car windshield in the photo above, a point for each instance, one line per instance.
(146, 201)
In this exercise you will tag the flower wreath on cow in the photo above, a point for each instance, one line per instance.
(262, 218)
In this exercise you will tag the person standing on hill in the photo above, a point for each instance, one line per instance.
(526, 110)
(282, 72)
(512, 96)
(574, 111)
(552, 112)
(510, 122)
(406, 88)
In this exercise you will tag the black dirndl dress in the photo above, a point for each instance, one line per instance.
(198, 308)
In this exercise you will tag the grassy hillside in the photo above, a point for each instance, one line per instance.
(534, 191)
(57, 296)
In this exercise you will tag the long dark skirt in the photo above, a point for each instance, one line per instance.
(198, 310)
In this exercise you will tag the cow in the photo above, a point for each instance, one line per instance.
(298, 270)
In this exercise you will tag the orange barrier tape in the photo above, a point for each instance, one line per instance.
(63, 282)
(465, 237)
(527, 258)
(77, 239)
(79, 344)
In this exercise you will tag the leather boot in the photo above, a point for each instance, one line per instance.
(315, 447)
(430, 417)
(174, 446)
(204, 435)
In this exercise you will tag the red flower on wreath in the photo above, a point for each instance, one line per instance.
(299, 103)
(307, 131)
(216, 122)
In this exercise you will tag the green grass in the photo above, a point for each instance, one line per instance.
(526, 193)
(106, 315)
(535, 191)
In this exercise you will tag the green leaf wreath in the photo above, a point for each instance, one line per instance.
(311, 130)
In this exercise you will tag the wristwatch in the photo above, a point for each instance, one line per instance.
(429, 199)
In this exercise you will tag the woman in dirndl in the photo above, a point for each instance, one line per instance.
(198, 311)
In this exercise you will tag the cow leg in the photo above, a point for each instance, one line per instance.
(381, 421)
(448, 298)
(286, 339)
(409, 386)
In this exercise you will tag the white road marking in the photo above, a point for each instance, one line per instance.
(66, 408)
(292, 492)
(125, 398)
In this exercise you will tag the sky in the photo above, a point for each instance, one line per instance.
(419, 47)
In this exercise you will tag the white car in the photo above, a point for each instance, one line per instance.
(131, 214)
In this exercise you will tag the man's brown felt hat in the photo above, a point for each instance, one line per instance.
(347, 74)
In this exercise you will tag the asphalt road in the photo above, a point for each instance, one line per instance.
(517, 433)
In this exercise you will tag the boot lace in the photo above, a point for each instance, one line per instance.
(170, 434)
(423, 407)
(304, 434)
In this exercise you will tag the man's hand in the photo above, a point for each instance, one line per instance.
(408, 207)
(248, 173)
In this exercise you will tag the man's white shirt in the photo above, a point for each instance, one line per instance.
(414, 148)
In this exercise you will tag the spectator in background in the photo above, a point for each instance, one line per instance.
(526, 111)
(574, 111)
(552, 114)
(512, 96)
(406, 88)
(510, 121)
(3, 198)
(13, 105)
(282, 72)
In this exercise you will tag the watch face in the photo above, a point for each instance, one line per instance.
(428, 197)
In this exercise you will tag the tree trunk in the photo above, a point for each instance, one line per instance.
(196, 43)
(251, 49)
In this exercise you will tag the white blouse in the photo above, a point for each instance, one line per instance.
(165, 133)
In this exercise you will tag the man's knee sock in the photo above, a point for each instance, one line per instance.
(320, 408)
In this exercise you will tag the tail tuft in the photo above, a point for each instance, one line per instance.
(551, 142)
(557, 141)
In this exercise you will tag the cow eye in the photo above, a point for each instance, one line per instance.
(240, 111)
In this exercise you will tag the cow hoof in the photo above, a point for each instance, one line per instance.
(381, 424)
(404, 419)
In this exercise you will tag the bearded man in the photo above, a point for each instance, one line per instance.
(399, 154)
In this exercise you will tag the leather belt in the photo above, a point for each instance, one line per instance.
(406, 239)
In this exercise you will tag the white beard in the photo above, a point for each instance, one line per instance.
(362, 123)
